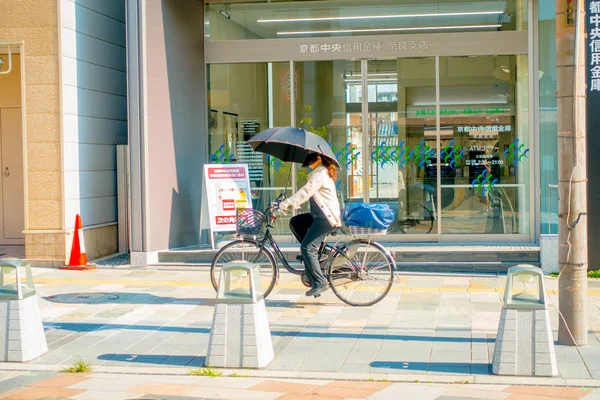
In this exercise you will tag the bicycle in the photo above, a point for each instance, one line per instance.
(350, 268)
(420, 214)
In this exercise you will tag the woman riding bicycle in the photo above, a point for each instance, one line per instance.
(312, 228)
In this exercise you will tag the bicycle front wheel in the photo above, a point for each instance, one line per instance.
(363, 274)
(248, 251)
(419, 219)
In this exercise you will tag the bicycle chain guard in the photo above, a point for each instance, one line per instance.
(304, 280)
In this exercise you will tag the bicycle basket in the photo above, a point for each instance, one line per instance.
(357, 230)
(249, 221)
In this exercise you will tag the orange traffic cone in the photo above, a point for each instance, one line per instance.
(78, 260)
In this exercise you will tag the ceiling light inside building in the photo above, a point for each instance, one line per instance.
(375, 74)
(374, 80)
(393, 16)
(405, 29)
(503, 73)
(225, 12)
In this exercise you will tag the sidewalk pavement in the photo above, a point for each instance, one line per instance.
(99, 386)
(429, 328)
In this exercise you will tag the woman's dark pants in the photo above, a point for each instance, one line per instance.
(311, 232)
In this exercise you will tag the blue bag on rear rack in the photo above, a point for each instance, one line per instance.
(364, 215)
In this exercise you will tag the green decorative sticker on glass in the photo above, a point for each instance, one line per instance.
(346, 156)
(484, 182)
(452, 153)
(402, 155)
(222, 156)
(515, 153)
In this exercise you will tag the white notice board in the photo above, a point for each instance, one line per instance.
(228, 189)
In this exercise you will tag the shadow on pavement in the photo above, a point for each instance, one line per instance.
(147, 298)
(293, 304)
(89, 327)
(161, 359)
(123, 298)
(446, 367)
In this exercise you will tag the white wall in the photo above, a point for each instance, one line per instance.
(176, 122)
(94, 85)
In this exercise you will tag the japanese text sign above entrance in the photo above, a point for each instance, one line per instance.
(228, 189)
(363, 47)
(355, 47)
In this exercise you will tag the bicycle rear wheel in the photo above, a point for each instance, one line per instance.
(249, 251)
(362, 275)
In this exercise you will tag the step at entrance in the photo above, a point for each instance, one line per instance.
(421, 257)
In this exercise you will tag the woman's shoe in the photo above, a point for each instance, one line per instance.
(317, 290)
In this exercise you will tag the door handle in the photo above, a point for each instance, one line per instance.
(6, 172)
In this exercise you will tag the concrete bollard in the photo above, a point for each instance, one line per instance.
(22, 336)
(240, 336)
(524, 344)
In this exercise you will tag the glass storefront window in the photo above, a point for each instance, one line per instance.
(484, 149)
(469, 175)
(548, 117)
(304, 18)
(243, 100)
(330, 99)
(247, 98)
(466, 171)
(402, 139)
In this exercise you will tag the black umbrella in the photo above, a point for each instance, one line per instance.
(291, 144)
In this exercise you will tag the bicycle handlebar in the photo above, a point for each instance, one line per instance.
(274, 206)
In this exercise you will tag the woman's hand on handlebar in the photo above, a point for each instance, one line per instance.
(274, 206)
(284, 205)
(279, 204)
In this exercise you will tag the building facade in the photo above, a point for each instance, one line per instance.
(444, 110)
(63, 110)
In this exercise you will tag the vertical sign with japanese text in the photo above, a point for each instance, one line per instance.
(592, 79)
(593, 47)
(228, 189)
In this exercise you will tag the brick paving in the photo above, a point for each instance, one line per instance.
(429, 328)
(100, 386)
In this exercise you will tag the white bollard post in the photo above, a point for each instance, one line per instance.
(22, 337)
(240, 336)
(524, 343)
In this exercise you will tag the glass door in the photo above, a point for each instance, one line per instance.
(484, 145)
(402, 143)
(328, 103)
(244, 99)
(464, 172)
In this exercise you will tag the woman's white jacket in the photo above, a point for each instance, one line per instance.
(322, 188)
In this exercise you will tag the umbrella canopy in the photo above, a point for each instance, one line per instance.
(291, 144)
